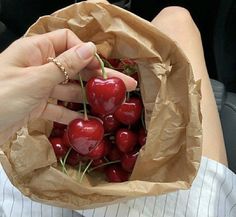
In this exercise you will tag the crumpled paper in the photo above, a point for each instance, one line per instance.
(171, 156)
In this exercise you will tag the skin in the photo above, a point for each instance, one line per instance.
(176, 22)
(28, 80)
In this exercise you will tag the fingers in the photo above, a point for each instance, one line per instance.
(64, 39)
(130, 83)
(72, 91)
(73, 60)
(59, 114)
(68, 93)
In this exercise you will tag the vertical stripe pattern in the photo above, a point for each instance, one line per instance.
(213, 194)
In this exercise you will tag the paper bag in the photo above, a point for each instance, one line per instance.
(171, 156)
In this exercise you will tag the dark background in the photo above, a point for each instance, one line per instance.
(216, 21)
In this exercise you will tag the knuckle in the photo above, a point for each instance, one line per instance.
(68, 63)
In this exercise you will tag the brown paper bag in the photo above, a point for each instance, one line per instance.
(171, 156)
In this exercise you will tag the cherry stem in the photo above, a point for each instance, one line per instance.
(107, 134)
(127, 96)
(79, 168)
(106, 159)
(84, 98)
(63, 166)
(107, 63)
(85, 170)
(66, 156)
(102, 165)
(104, 74)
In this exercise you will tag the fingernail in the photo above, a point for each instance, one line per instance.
(86, 50)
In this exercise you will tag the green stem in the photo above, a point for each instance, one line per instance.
(63, 166)
(106, 159)
(84, 98)
(80, 164)
(102, 165)
(104, 74)
(66, 156)
(107, 63)
(85, 170)
(127, 96)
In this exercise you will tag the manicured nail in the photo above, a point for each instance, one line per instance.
(86, 50)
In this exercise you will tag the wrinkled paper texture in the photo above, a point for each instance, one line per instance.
(171, 156)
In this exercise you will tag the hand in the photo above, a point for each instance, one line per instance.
(27, 80)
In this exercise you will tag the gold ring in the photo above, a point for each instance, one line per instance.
(61, 67)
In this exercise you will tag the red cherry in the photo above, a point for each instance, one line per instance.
(98, 162)
(130, 111)
(93, 113)
(142, 136)
(73, 158)
(59, 125)
(126, 63)
(65, 139)
(57, 132)
(100, 150)
(135, 76)
(128, 161)
(59, 102)
(84, 135)
(115, 173)
(110, 124)
(105, 95)
(114, 154)
(58, 146)
(114, 62)
(126, 140)
(74, 106)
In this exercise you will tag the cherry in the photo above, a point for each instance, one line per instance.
(98, 162)
(73, 158)
(135, 76)
(105, 95)
(127, 63)
(114, 154)
(74, 106)
(100, 150)
(57, 132)
(59, 148)
(115, 173)
(128, 161)
(110, 124)
(130, 111)
(114, 62)
(142, 136)
(59, 125)
(84, 135)
(126, 140)
(65, 139)
(110, 62)
(61, 103)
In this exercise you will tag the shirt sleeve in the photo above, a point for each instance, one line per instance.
(213, 194)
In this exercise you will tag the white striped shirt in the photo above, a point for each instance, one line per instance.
(213, 194)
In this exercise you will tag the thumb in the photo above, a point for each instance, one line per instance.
(73, 60)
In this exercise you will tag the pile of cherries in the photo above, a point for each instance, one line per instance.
(109, 140)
